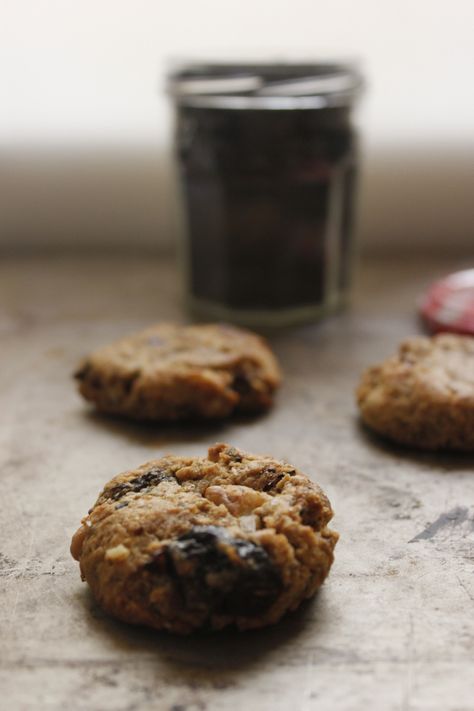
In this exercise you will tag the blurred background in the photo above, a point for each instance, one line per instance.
(85, 127)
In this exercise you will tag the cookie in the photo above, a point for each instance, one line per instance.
(172, 372)
(424, 396)
(185, 543)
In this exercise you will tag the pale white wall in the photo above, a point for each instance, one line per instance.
(80, 85)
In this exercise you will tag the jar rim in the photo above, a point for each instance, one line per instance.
(255, 85)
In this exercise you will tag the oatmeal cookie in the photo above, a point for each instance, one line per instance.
(424, 396)
(172, 372)
(183, 543)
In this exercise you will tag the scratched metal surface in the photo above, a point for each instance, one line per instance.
(393, 627)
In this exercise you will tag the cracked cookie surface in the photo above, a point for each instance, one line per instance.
(186, 543)
(424, 396)
(172, 372)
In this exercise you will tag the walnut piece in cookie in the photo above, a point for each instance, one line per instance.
(172, 372)
(424, 396)
(185, 543)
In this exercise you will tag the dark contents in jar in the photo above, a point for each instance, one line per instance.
(268, 200)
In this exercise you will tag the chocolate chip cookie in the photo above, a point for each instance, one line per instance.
(172, 372)
(185, 543)
(423, 396)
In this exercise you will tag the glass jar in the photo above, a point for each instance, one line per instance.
(267, 164)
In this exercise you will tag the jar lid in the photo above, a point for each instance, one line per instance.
(448, 305)
(265, 85)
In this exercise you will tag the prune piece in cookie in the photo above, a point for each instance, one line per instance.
(423, 397)
(171, 372)
(140, 483)
(234, 576)
(190, 543)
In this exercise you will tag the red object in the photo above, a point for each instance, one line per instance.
(448, 305)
